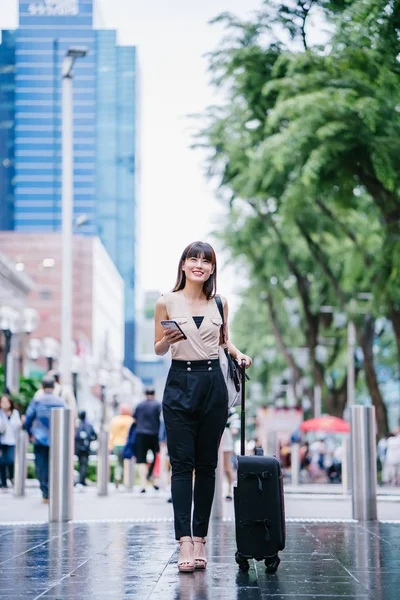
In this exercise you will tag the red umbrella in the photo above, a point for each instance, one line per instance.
(327, 424)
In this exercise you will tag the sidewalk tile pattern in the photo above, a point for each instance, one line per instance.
(124, 561)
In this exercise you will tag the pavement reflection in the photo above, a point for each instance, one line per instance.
(123, 561)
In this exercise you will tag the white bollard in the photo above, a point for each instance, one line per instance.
(346, 483)
(103, 464)
(129, 474)
(21, 463)
(364, 472)
(61, 473)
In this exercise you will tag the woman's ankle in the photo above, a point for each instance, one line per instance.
(185, 538)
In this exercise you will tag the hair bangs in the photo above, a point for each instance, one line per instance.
(201, 250)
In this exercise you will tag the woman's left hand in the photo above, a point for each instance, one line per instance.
(240, 357)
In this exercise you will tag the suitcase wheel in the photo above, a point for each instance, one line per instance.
(242, 562)
(272, 564)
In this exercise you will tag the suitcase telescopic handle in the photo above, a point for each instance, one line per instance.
(243, 410)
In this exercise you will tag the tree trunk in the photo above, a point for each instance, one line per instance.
(395, 318)
(336, 400)
(366, 339)
(311, 333)
(387, 201)
(318, 255)
(296, 371)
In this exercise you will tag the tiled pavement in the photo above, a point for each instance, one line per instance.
(304, 502)
(127, 560)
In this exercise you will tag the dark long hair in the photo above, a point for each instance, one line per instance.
(12, 407)
(198, 250)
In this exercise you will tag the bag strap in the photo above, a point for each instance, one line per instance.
(243, 411)
(221, 312)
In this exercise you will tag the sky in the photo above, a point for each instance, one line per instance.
(177, 205)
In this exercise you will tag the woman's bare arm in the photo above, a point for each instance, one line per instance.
(163, 338)
(233, 351)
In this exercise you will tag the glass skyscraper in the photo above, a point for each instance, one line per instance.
(104, 132)
(7, 126)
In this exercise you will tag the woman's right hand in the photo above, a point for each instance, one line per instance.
(172, 337)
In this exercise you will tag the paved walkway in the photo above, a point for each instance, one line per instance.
(126, 561)
(119, 504)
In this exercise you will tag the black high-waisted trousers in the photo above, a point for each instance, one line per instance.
(195, 409)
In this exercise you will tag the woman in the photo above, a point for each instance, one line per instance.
(10, 423)
(195, 403)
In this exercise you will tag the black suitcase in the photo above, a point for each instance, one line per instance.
(259, 505)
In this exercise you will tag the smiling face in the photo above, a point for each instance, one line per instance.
(198, 268)
(198, 263)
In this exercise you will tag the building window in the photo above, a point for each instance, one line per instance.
(48, 262)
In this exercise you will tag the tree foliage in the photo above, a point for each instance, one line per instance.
(306, 149)
(27, 388)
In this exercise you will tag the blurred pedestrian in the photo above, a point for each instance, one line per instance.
(195, 403)
(37, 425)
(10, 424)
(84, 436)
(147, 419)
(318, 452)
(118, 434)
(392, 463)
(334, 471)
(381, 450)
(285, 455)
(62, 392)
(305, 461)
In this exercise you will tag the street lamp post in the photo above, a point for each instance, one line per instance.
(67, 212)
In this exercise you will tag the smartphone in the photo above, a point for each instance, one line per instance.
(174, 326)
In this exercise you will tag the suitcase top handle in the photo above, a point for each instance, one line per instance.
(260, 477)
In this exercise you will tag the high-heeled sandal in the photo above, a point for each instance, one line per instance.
(186, 566)
(199, 563)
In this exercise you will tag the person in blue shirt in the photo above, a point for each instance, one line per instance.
(37, 425)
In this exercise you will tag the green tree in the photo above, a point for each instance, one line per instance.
(307, 148)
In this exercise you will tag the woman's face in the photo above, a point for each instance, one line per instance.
(5, 403)
(198, 269)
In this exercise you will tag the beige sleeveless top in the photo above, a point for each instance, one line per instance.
(202, 343)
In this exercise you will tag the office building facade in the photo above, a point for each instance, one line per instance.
(97, 291)
(104, 133)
